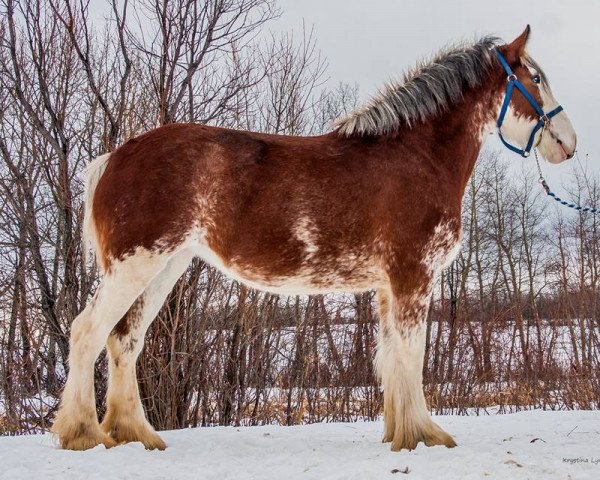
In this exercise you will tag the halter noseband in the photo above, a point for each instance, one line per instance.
(544, 118)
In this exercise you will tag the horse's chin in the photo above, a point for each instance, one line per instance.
(553, 152)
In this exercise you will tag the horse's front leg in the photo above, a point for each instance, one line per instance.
(399, 363)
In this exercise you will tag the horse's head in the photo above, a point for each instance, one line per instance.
(530, 116)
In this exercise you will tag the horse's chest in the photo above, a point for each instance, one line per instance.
(442, 246)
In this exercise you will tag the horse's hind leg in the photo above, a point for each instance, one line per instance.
(76, 423)
(399, 362)
(125, 420)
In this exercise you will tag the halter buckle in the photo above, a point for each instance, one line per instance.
(512, 77)
(545, 118)
(526, 154)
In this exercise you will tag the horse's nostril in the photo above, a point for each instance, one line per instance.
(559, 141)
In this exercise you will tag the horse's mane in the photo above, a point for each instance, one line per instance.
(426, 90)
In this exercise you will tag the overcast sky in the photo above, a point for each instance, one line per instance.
(371, 41)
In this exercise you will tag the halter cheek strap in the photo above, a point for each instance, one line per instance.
(544, 118)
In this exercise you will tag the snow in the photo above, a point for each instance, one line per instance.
(530, 444)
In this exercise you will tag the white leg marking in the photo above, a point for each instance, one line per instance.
(399, 363)
(76, 422)
(125, 420)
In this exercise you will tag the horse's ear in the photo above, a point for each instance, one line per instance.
(516, 49)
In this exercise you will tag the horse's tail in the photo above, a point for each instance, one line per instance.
(93, 173)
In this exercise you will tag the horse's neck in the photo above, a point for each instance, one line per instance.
(457, 136)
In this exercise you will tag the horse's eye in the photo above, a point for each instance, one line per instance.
(536, 79)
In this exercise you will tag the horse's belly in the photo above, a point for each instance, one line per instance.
(348, 274)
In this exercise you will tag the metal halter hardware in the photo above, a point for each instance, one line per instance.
(544, 118)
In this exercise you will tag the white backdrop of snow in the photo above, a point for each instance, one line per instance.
(531, 444)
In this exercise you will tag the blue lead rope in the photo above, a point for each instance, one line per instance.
(544, 184)
(544, 118)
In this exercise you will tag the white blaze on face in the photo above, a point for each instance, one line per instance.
(559, 139)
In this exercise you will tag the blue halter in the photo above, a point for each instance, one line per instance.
(544, 118)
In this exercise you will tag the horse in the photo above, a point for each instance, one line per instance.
(373, 204)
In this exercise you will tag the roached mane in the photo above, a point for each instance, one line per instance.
(428, 89)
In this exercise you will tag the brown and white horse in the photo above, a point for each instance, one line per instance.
(375, 204)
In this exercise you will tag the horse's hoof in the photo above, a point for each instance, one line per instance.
(82, 437)
(128, 431)
(430, 435)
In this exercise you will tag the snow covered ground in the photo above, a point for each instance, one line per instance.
(533, 444)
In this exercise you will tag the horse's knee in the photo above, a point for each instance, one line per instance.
(81, 327)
